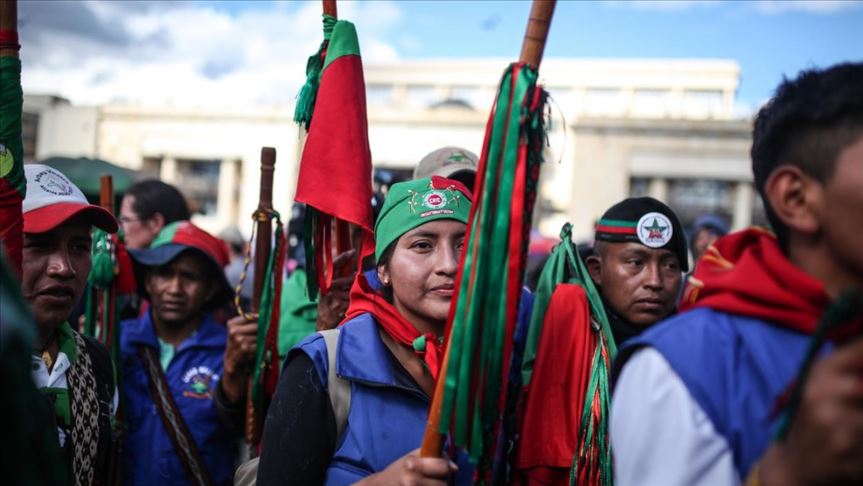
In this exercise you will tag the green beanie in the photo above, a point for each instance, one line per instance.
(414, 203)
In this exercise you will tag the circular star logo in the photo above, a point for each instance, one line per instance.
(654, 230)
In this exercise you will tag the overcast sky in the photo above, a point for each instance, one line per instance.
(240, 53)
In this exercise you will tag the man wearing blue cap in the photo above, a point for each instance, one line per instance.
(183, 377)
(706, 229)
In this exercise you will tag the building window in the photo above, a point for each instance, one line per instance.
(650, 102)
(420, 96)
(690, 198)
(639, 187)
(703, 103)
(199, 181)
(603, 101)
(379, 95)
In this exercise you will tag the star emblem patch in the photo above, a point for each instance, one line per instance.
(654, 230)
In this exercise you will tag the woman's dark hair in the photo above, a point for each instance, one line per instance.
(154, 196)
(385, 260)
(808, 122)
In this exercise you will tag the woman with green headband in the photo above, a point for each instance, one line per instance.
(365, 422)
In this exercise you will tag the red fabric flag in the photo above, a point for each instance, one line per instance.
(336, 166)
(555, 397)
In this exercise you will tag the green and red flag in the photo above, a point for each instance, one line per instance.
(12, 183)
(335, 169)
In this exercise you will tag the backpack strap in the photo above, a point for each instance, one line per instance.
(338, 388)
(173, 421)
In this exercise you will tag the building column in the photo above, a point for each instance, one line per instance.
(743, 200)
(658, 189)
(168, 170)
(227, 195)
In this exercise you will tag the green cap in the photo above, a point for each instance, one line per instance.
(414, 203)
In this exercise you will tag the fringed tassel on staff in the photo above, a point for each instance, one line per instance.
(309, 92)
(267, 365)
(484, 313)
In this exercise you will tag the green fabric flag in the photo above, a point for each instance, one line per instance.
(299, 312)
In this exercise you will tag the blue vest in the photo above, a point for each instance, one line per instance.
(149, 457)
(386, 420)
(735, 368)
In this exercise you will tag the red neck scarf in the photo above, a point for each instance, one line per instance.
(365, 300)
(746, 273)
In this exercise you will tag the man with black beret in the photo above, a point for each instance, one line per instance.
(637, 266)
(638, 260)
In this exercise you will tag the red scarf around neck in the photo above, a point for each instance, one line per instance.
(366, 300)
(746, 273)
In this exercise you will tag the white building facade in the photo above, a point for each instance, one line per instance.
(660, 127)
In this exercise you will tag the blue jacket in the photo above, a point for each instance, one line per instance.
(149, 457)
(387, 418)
(735, 368)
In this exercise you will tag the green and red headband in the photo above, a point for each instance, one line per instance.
(646, 221)
(414, 203)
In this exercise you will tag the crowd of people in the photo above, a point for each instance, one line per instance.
(706, 386)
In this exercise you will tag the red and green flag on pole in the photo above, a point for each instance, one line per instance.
(471, 393)
(12, 183)
(336, 168)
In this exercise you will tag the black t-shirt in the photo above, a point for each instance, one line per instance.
(300, 430)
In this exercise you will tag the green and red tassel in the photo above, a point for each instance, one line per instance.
(483, 317)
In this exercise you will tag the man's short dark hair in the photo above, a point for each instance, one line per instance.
(807, 123)
(154, 196)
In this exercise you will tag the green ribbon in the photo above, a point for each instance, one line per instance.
(477, 337)
(309, 92)
(263, 355)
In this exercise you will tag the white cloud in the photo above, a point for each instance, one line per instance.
(811, 6)
(183, 53)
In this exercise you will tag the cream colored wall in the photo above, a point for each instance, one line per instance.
(127, 135)
(590, 162)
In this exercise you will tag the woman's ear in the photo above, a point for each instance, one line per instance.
(795, 198)
(384, 275)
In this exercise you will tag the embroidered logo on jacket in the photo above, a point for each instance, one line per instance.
(198, 380)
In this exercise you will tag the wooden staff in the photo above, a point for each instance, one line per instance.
(106, 192)
(342, 230)
(533, 44)
(9, 23)
(106, 200)
(330, 8)
(263, 246)
(531, 53)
